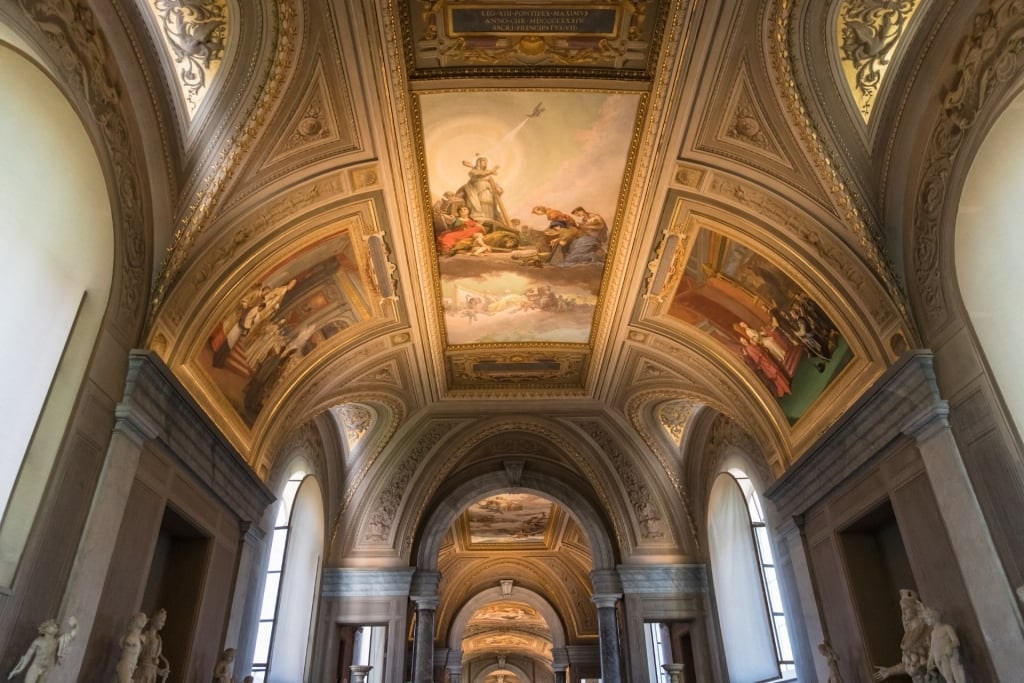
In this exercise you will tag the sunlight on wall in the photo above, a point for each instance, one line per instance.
(990, 252)
(56, 228)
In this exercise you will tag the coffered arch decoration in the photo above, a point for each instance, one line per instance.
(769, 307)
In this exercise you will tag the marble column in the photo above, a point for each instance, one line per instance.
(455, 673)
(975, 554)
(99, 538)
(423, 640)
(608, 637)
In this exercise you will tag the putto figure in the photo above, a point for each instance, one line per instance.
(45, 652)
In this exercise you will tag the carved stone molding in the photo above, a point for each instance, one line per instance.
(648, 517)
(989, 59)
(376, 528)
(82, 56)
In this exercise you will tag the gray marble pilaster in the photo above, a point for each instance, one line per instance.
(984, 578)
(608, 637)
(99, 538)
(423, 639)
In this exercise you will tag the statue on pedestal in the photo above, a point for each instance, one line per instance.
(914, 662)
(45, 652)
(833, 662)
(131, 648)
(944, 648)
(152, 663)
(224, 672)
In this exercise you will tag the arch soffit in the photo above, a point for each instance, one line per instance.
(488, 670)
(468, 436)
(446, 511)
(986, 73)
(519, 594)
(75, 55)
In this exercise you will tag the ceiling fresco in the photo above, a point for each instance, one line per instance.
(524, 186)
(745, 302)
(510, 519)
(507, 613)
(282, 317)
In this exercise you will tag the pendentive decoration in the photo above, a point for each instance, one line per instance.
(868, 32)
(195, 34)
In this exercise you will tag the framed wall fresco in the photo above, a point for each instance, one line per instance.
(524, 186)
(751, 307)
(286, 313)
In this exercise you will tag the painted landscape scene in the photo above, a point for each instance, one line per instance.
(524, 186)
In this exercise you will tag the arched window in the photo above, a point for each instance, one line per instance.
(293, 573)
(755, 635)
(56, 226)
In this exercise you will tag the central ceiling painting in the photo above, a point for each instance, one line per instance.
(524, 187)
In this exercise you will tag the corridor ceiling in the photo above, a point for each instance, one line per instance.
(655, 219)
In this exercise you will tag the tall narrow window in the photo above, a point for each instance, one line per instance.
(290, 588)
(780, 630)
(746, 590)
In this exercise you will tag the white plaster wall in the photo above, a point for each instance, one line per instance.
(57, 232)
(989, 252)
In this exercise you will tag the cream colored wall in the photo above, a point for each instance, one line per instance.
(990, 252)
(56, 228)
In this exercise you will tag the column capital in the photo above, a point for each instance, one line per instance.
(425, 601)
(605, 599)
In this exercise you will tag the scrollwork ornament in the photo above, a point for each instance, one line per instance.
(869, 31)
(988, 58)
(195, 32)
(83, 57)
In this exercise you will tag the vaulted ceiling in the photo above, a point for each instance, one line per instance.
(317, 155)
(577, 226)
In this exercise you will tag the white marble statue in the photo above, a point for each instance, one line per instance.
(914, 662)
(943, 649)
(833, 662)
(224, 672)
(45, 652)
(131, 648)
(152, 664)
